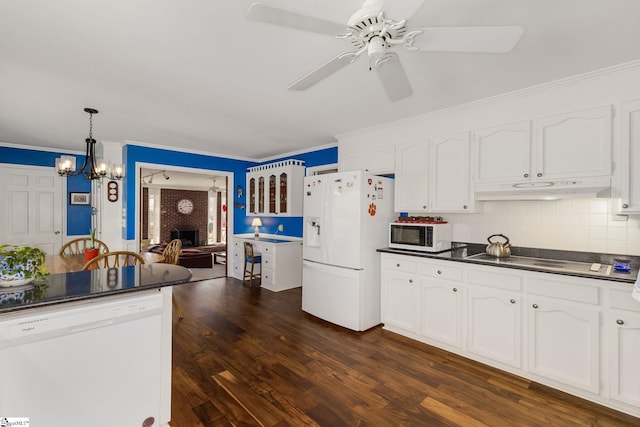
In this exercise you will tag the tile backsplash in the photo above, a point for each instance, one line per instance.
(585, 225)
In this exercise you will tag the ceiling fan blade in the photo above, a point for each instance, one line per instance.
(464, 39)
(272, 15)
(393, 77)
(325, 70)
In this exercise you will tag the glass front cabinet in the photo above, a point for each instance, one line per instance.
(275, 189)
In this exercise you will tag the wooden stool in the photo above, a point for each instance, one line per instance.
(250, 260)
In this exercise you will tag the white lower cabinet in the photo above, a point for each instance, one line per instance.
(623, 327)
(400, 307)
(579, 335)
(493, 325)
(564, 329)
(564, 343)
(625, 350)
(441, 310)
(400, 293)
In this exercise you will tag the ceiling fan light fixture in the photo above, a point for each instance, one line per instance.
(376, 49)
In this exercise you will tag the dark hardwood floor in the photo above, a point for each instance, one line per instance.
(250, 357)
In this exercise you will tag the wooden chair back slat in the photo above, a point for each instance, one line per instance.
(114, 259)
(77, 246)
(172, 251)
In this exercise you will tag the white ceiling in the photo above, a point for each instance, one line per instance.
(196, 75)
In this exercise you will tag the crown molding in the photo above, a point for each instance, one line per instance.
(542, 87)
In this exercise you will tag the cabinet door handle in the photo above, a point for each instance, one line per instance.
(535, 306)
(539, 174)
(464, 207)
(424, 206)
(620, 322)
(439, 272)
(625, 206)
(410, 280)
(455, 289)
(512, 301)
(526, 175)
(398, 265)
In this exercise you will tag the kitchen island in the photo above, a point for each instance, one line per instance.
(90, 347)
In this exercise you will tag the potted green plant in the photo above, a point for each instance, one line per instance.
(20, 265)
(91, 251)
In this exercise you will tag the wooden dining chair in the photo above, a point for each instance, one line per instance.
(75, 247)
(171, 253)
(250, 261)
(114, 259)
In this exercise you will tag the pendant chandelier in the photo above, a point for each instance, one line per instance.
(92, 168)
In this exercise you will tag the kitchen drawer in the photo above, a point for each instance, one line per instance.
(238, 255)
(622, 299)
(570, 289)
(446, 271)
(490, 276)
(405, 264)
(267, 248)
(266, 276)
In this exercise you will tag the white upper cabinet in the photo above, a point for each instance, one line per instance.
(434, 176)
(573, 145)
(560, 147)
(451, 174)
(502, 153)
(630, 157)
(412, 177)
(377, 160)
(275, 189)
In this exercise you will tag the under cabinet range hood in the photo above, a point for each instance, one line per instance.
(545, 190)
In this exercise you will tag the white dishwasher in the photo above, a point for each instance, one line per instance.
(95, 363)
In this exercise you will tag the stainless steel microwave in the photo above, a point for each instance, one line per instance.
(425, 237)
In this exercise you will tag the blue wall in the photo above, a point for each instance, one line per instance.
(78, 217)
(242, 223)
(133, 153)
(292, 225)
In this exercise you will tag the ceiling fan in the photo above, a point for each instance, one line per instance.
(378, 27)
(215, 188)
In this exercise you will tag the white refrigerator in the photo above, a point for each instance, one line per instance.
(346, 218)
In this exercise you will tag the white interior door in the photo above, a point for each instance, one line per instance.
(32, 210)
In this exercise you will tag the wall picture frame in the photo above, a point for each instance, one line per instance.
(79, 198)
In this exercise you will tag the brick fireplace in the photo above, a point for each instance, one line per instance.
(189, 227)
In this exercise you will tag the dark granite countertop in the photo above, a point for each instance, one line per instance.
(461, 252)
(82, 285)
